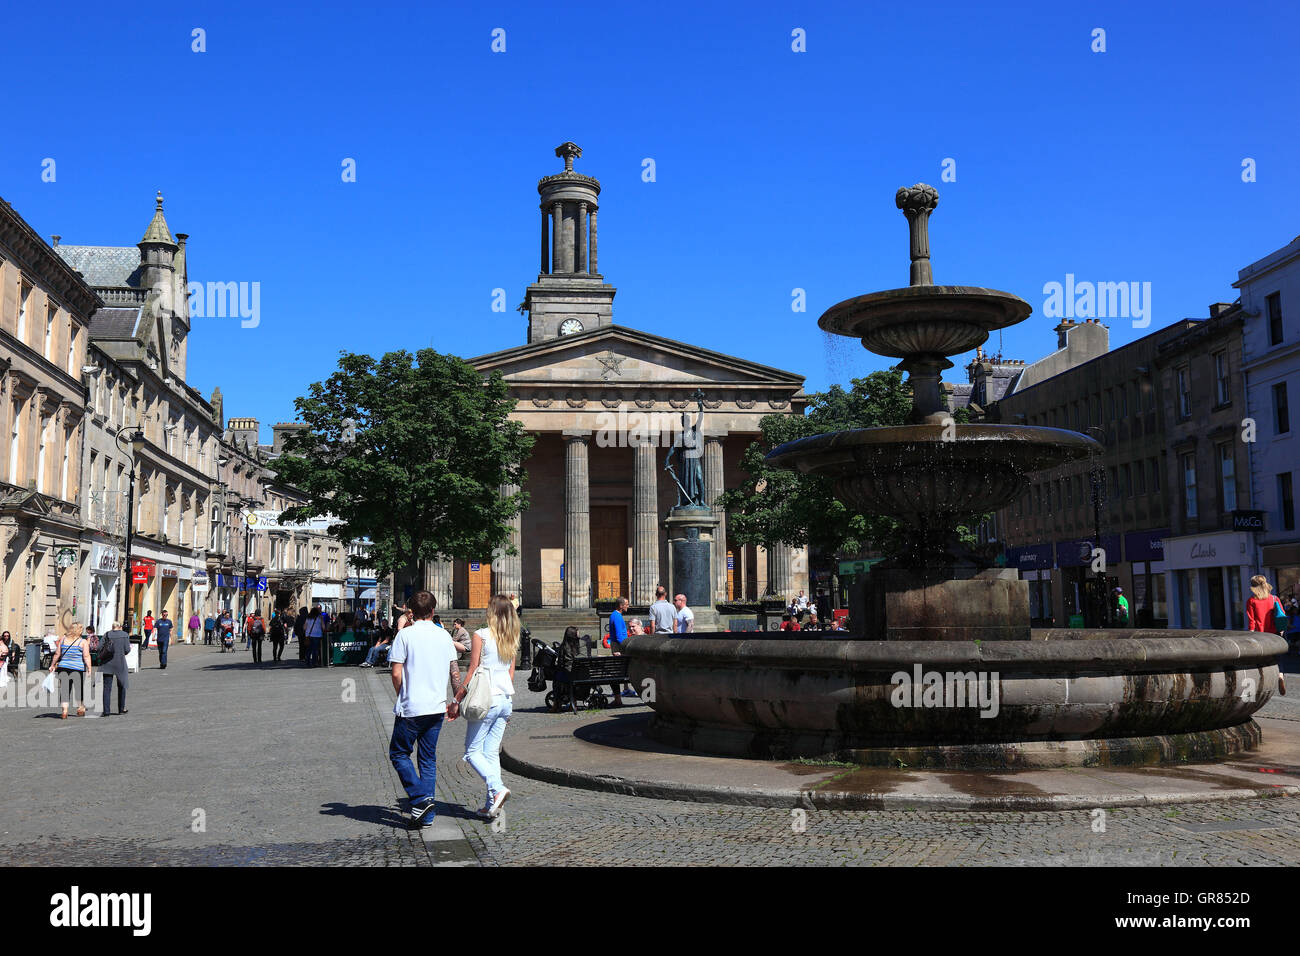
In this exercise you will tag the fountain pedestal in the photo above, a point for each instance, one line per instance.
(943, 604)
(692, 531)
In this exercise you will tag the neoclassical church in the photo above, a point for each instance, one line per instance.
(605, 403)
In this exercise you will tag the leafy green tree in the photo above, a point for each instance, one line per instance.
(409, 451)
(799, 509)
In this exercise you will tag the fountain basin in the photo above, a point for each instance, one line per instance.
(925, 319)
(1065, 698)
(909, 471)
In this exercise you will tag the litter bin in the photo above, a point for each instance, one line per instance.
(1076, 620)
(32, 648)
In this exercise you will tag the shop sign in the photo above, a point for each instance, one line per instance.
(65, 557)
(106, 559)
(1248, 521)
(170, 573)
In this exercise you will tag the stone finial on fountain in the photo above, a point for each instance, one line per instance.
(917, 202)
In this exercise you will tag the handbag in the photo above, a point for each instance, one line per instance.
(478, 695)
(1280, 620)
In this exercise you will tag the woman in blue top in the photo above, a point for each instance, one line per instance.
(71, 666)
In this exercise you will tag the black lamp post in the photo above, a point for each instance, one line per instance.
(137, 441)
(1098, 477)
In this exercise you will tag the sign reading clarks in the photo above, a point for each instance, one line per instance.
(1248, 521)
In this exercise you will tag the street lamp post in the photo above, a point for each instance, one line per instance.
(1098, 477)
(137, 441)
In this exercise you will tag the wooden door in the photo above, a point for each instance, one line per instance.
(480, 583)
(609, 549)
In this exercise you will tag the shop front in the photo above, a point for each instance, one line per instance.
(1144, 553)
(1208, 574)
(143, 573)
(1035, 563)
(1089, 575)
(328, 596)
(105, 573)
(1282, 564)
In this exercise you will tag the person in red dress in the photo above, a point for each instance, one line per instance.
(1261, 611)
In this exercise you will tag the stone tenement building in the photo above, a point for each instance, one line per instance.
(604, 402)
(45, 310)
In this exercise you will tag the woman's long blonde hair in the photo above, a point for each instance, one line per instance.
(503, 622)
(1260, 587)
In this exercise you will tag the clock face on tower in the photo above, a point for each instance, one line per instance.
(570, 326)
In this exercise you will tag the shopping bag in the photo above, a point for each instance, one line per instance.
(47, 685)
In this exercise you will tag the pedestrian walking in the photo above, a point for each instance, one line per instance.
(147, 624)
(164, 628)
(70, 668)
(195, 624)
(427, 680)
(1264, 613)
(209, 628)
(279, 633)
(114, 647)
(300, 633)
(257, 634)
(685, 617)
(492, 651)
(314, 629)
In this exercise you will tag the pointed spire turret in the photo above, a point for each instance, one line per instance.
(158, 231)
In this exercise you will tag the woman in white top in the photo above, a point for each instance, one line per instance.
(493, 648)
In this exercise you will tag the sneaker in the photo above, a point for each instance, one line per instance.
(630, 693)
(494, 809)
(422, 814)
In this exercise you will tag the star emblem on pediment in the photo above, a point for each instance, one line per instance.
(612, 363)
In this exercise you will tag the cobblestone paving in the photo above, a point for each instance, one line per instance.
(289, 766)
(547, 824)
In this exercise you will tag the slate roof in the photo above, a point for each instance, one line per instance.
(111, 267)
(119, 324)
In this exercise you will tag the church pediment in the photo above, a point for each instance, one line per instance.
(621, 358)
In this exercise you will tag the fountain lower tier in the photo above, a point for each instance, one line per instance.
(1065, 698)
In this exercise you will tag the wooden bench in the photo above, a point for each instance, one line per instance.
(592, 672)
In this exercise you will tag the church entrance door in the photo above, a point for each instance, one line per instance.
(479, 577)
(609, 549)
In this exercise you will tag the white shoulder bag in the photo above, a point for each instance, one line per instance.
(478, 695)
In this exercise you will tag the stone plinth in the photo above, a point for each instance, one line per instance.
(942, 604)
(691, 533)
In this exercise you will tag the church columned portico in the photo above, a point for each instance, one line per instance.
(605, 404)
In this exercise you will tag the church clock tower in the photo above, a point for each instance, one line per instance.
(570, 296)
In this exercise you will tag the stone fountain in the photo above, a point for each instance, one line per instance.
(945, 670)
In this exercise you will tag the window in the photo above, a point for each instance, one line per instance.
(1228, 475)
(1125, 477)
(1281, 413)
(1110, 405)
(1123, 401)
(24, 293)
(1274, 306)
(1184, 394)
(17, 411)
(1189, 485)
(1155, 476)
(1139, 478)
(72, 352)
(1285, 500)
(40, 455)
(1221, 378)
(63, 477)
(51, 313)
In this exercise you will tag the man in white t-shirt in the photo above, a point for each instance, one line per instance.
(426, 679)
(685, 617)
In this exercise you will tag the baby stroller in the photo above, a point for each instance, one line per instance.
(552, 664)
(227, 636)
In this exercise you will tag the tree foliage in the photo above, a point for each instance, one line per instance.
(410, 452)
(798, 509)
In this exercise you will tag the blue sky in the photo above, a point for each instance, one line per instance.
(775, 170)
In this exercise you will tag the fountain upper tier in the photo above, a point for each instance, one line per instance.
(925, 320)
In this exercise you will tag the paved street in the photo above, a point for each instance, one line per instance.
(219, 762)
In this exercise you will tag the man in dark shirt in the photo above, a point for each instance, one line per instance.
(164, 628)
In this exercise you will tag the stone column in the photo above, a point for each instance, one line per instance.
(713, 488)
(546, 244)
(507, 570)
(645, 540)
(438, 577)
(778, 570)
(577, 520)
(593, 268)
(581, 224)
(557, 230)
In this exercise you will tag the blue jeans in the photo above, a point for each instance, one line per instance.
(163, 641)
(407, 733)
(483, 743)
(372, 658)
(313, 650)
